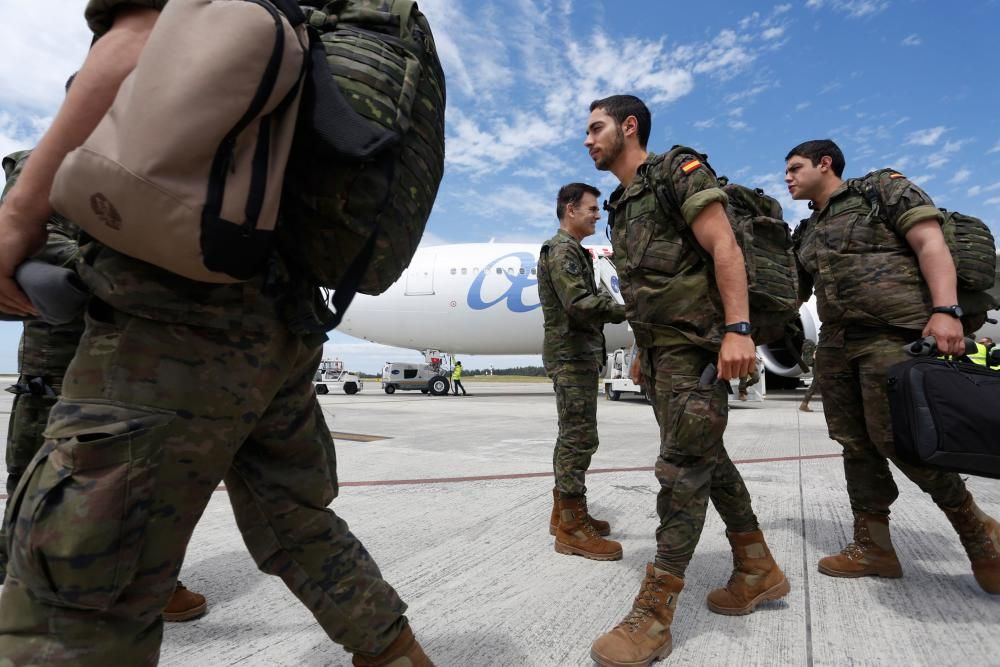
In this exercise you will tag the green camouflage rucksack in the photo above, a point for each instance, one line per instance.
(766, 242)
(369, 152)
(972, 246)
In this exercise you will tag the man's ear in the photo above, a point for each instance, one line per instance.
(827, 162)
(630, 126)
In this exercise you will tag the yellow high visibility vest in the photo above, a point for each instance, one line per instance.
(980, 356)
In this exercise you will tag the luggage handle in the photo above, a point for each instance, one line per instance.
(927, 347)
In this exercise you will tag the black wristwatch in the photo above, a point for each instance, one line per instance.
(741, 328)
(954, 311)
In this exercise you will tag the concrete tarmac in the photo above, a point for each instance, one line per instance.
(452, 497)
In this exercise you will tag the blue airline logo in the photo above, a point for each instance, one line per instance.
(516, 284)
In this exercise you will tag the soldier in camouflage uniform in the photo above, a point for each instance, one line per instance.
(843, 249)
(684, 283)
(45, 352)
(575, 314)
(175, 386)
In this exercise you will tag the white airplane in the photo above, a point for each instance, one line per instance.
(482, 298)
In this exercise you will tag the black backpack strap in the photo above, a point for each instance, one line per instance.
(291, 10)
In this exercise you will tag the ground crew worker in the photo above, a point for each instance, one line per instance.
(44, 353)
(575, 313)
(983, 346)
(683, 279)
(175, 385)
(903, 252)
(456, 379)
(809, 358)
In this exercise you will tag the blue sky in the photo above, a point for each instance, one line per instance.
(904, 83)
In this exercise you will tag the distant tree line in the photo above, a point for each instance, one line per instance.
(530, 371)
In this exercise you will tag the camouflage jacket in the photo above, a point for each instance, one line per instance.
(144, 290)
(670, 292)
(575, 311)
(864, 272)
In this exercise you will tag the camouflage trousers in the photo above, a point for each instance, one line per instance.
(576, 407)
(852, 383)
(152, 417)
(29, 413)
(693, 466)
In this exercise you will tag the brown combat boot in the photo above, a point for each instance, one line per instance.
(184, 605)
(755, 578)
(404, 651)
(980, 535)
(644, 635)
(869, 555)
(603, 528)
(576, 535)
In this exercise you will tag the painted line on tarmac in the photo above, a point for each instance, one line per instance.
(592, 471)
(530, 475)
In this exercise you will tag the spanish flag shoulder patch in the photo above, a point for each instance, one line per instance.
(896, 174)
(690, 166)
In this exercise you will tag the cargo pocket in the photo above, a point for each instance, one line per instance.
(77, 521)
(698, 417)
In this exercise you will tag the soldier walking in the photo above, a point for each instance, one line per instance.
(684, 283)
(175, 386)
(901, 249)
(575, 313)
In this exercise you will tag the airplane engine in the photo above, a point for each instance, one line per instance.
(781, 363)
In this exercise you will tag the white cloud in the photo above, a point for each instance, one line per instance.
(993, 201)
(960, 176)
(749, 93)
(923, 179)
(927, 137)
(937, 160)
(773, 33)
(704, 124)
(955, 146)
(782, 9)
(527, 207)
(912, 40)
(853, 8)
(801, 106)
(976, 190)
(995, 149)
(40, 53)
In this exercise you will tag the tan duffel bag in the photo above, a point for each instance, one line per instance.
(185, 171)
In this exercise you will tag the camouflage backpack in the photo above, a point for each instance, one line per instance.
(369, 156)
(766, 242)
(972, 246)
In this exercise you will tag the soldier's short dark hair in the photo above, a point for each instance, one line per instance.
(572, 193)
(815, 150)
(621, 107)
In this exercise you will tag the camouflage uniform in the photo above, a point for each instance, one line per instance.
(843, 252)
(573, 352)
(176, 386)
(43, 355)
(675, 309)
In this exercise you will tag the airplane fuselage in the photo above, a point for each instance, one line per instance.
(473, 298)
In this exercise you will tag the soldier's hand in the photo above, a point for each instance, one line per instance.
(635, 370)
(947, 332)
(737, 357)
(19, 239)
